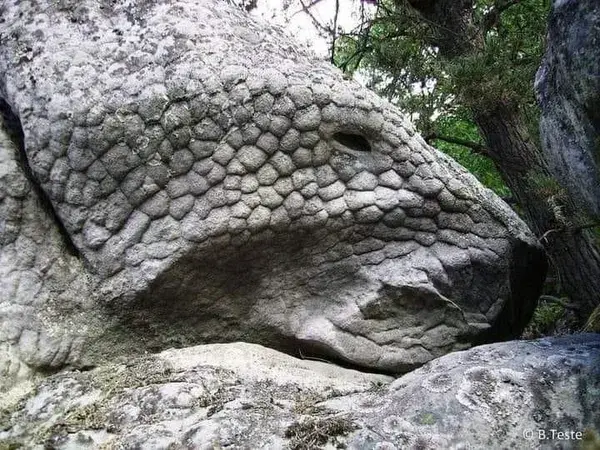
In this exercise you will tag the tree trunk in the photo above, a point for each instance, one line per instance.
(548, 211)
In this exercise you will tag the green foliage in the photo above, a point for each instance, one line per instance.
(503, 66)
(398, 52)
(480, 166)
(592, 324)
(545, 320)
(545, 184)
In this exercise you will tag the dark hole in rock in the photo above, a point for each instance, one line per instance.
(353, 141)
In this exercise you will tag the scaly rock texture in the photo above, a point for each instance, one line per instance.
(243, 396)
(178, 173)
(568, 88)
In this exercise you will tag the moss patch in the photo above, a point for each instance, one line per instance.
(426, 418)
(590, 441)
(10, 445)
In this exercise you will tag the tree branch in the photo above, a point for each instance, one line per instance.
(334, 31)
(358, 54)
(491, 19)
(570, 229)
(305, 7)
(315, 21)
(475, 147)
(362, 47)
(564, 302)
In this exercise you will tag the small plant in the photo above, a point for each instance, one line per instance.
(544, 320)
(114, 379)
(313, 433)
(545, 185)
(305, 402)
(593, 323)
(377, 386)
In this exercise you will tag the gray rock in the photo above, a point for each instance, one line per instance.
(302, 157)
(157, 206)
(267, 175)
(294, 203)
(284, 186)
(259, 218)
(364, 181)
(568, 90)
(94, 235)
(269, 197)
(370, 214)
(309, 139)
(332, 191)
(280, 125)
(307, 119)
(513, 395)
(251, 157)
(283, 163)
(268, 142)
(290, 141)
(510, 395)
(185, 123)
(249, 184)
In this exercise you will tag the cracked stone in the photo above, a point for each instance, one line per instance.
(307, 119)
(251, 157)
(363, 181)
(259, 218)
(267, 175)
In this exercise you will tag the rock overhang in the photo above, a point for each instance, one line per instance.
(193, 157)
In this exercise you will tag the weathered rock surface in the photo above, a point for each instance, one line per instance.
(238, 396)
(215, 182)
(568, 85)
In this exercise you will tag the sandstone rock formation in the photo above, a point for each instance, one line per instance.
(237, 396)
(182, 174)
(568, 87)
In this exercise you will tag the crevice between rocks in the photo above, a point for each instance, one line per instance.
(13, 126)
(316, 351)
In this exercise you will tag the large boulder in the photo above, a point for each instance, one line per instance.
(568, 89)
(538, 394)
(182, 174)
